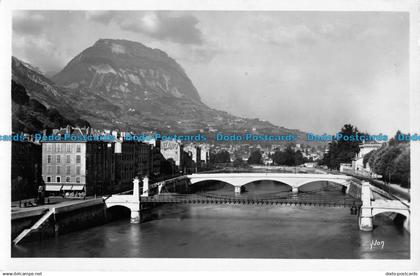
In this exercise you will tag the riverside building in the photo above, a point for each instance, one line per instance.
(78, 168)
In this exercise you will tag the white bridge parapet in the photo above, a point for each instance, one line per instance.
(294, 180)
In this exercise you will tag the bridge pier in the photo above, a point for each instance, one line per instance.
(238, 190)
(135, 216)
(295, 190)
(365, 216)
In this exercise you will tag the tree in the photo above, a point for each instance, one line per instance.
(220, 157)
(238, 162)
(367, 157)
(255, 158)
(279, 158)
(343, 151)
(19, 94)
(299, 160)
(401, 167)
(289, 155)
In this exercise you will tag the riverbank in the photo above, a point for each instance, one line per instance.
(394, 190)
(68, 216)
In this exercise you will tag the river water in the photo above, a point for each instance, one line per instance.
(233, 231)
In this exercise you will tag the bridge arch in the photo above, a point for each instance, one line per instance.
(210, 179)
(118, 211)
(377, 211)
(267, 179)
(402, 220)
(196, 185)
(342, 184)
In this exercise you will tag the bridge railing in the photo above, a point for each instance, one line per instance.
(220, 199)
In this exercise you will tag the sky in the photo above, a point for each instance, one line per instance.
(308, 70)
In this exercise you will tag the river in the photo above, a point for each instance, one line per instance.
(233, 231)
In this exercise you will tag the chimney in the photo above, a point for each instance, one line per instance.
(157, 143)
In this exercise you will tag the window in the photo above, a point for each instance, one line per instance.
(78, 170)
(77, 159)
(48, 178)
(77, 179)
(48, 159)
(49, 169)
(78, 148)
(67, 169)
(68, 179)
(49, 147)
(58, 171)
(58, 159)
(58, 179)
(68, 160)
(57, 147)
(68, 147)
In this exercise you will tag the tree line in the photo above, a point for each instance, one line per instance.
(391, 161)
(286, 157)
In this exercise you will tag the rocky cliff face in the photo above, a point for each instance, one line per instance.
(123, 69)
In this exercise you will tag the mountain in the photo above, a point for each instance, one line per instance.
(127, 85)
(37, 103)
(118, 68)
(120, 84)
(31, 116)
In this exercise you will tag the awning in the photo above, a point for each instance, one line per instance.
(78, 187)
(53, 188)
(66, 187)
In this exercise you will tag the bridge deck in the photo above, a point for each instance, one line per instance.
(288, 201)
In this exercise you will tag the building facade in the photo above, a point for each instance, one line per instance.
(132, 158)
(365, 148)
(78, 168)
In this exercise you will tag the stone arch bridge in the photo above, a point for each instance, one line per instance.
(294, 180)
